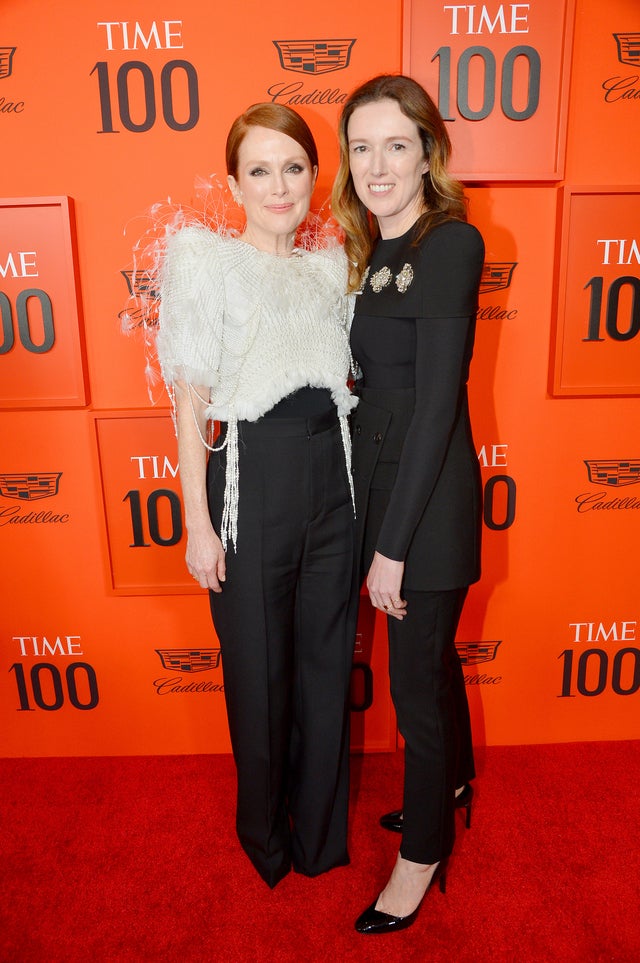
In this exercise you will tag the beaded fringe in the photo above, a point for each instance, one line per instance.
(346, 444)
(229, 527)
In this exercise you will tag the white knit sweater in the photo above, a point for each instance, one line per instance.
(252, 327)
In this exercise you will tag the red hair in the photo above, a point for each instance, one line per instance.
(273, 117)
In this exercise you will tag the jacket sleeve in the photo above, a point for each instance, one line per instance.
(450, 266)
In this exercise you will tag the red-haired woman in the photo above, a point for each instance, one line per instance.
(254, 334)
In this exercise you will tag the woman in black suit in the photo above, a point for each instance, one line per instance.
(416, 264)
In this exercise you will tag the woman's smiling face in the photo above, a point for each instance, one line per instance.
(274, 183)
(387, 163)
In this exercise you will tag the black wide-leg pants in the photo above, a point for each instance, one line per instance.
(286, 624)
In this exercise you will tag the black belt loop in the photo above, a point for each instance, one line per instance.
(320, 423)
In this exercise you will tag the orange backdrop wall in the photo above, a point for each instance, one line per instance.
(105, 646)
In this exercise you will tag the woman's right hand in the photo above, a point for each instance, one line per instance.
(384, 583)
(205, 558)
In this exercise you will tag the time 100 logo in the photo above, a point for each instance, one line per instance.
(480, 76)
(133, 93)
(596, 670)
(43, 685)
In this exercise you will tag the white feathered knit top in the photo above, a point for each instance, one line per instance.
(252, 327)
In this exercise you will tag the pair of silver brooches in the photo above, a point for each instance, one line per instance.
(382, 278)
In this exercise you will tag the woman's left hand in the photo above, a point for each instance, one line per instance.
(383, 583)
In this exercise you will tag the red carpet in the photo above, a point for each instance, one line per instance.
(135, 859)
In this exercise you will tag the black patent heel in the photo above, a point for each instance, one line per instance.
(464, 800)
(373, 921)
(393, 820)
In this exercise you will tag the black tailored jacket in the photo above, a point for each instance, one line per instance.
(415, 468)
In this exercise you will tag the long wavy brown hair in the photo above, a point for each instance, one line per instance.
(443, 195)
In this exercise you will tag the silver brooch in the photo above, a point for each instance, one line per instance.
(380, 279)
(404, 278)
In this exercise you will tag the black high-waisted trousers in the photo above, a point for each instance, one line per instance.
(286, 624)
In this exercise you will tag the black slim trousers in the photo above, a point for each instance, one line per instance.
(430, 699)
(427, 688)
(286, 624)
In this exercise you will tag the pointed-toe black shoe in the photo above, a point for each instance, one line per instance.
(373, 921)
(393, 820)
